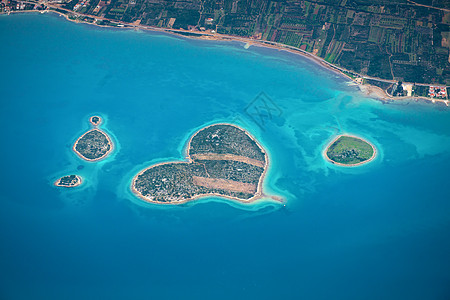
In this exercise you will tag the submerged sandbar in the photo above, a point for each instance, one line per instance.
(350, 151)
(222, 160)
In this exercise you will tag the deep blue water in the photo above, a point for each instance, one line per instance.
(379, 231)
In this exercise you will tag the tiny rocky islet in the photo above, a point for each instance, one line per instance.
(95, 120)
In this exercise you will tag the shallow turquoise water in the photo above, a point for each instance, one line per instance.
(378, 231)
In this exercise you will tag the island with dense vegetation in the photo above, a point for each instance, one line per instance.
(223, 160)
(69, 181)
(347, 150)
(95, 144)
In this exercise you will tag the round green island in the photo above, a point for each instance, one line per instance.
(349, 151)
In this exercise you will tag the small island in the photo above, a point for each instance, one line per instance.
(350, 151)
(69, 181)
(93, 145)
(95, 120)
(222, 160)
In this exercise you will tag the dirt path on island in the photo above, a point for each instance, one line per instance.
(223, 184)
(232, 157)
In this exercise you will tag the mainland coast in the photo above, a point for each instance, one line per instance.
(367, 89)
(258, 195)
(325, 152)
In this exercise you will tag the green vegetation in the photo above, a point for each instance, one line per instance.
(93, 145)
(224, 161)
(225, 139)
(95, 120)
(68, 181)
(389, 40)
(348, 150)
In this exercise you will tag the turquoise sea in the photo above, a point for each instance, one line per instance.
(379, 231)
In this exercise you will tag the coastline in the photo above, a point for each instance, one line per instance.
(374, 155)
(380, 94)
(367, 89)
(96, 159)
(80, 181)
(259, 189)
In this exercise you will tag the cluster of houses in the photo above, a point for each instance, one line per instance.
(80, 4)
(20, 6)
(437, 91)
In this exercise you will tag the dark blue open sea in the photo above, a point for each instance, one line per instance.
(379, 231)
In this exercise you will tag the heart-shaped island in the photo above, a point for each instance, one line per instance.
(223, 160)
